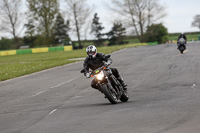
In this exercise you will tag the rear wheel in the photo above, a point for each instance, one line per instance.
(111, 96)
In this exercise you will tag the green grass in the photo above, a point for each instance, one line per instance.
(19, 65)
(131, 41)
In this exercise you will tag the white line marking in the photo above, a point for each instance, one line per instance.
(54, 87)
(193, 86)
(40, 93)
(52, 111)
(77, 97)
(63, 83)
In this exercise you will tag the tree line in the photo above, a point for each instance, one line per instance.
(46, 23)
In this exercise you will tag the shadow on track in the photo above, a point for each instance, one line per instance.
(97, 105)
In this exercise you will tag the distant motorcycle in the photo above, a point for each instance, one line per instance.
(109, 85)
(182, 45)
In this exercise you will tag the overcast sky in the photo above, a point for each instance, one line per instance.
(180, 13)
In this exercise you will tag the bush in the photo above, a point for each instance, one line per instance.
(156, 33)
(5, 44)
(42, 41)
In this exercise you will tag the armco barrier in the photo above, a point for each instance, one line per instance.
(36, 50)
(68, 48)
(10, 52)
(40, 50)
(24, 51)
(56, 49)
(50, 49)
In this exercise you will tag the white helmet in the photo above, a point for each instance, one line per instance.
(91, 51)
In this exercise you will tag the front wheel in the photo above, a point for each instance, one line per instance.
(182, 48)
(124, 97)
(109, 94)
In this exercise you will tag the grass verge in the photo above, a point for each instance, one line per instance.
(19, 65)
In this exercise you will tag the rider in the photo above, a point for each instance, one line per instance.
(182, 35)
(95, 60)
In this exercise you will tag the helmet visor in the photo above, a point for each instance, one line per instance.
(91, 53)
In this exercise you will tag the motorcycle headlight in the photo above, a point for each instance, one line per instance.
(100, 76)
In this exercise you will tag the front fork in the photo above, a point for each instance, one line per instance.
(115, 85)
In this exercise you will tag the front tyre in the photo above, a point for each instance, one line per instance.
(109, 94)
(124, 97)
(181, 52)
(182, 48)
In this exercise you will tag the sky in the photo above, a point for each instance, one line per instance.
(180, 14)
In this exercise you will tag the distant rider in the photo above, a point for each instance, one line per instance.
(182, 35)
(95, 60)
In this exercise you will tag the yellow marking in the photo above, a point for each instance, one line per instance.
(40, 50)
(68, 48)
(10, 52)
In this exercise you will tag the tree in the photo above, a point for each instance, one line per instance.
(87, 28)
(96, 29)
(156, 33)
(78, 11)
(5, 43)
(117, 33)
(196, 22)
(61, 29)
(138, 14)
(11, 17)
(29, 37)
(43, 12)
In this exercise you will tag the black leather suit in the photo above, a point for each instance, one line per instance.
(181, 36)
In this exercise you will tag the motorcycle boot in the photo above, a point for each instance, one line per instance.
(177, 46)
(122, 82)
(116, 74)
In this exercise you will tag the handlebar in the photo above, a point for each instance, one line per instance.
(92, 72)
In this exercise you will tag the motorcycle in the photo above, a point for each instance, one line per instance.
(182, 46)
(109, 85)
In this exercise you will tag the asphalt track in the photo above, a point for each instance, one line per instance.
(163, 85)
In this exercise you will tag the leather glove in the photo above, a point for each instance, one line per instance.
(87, 75)
(107, 63)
